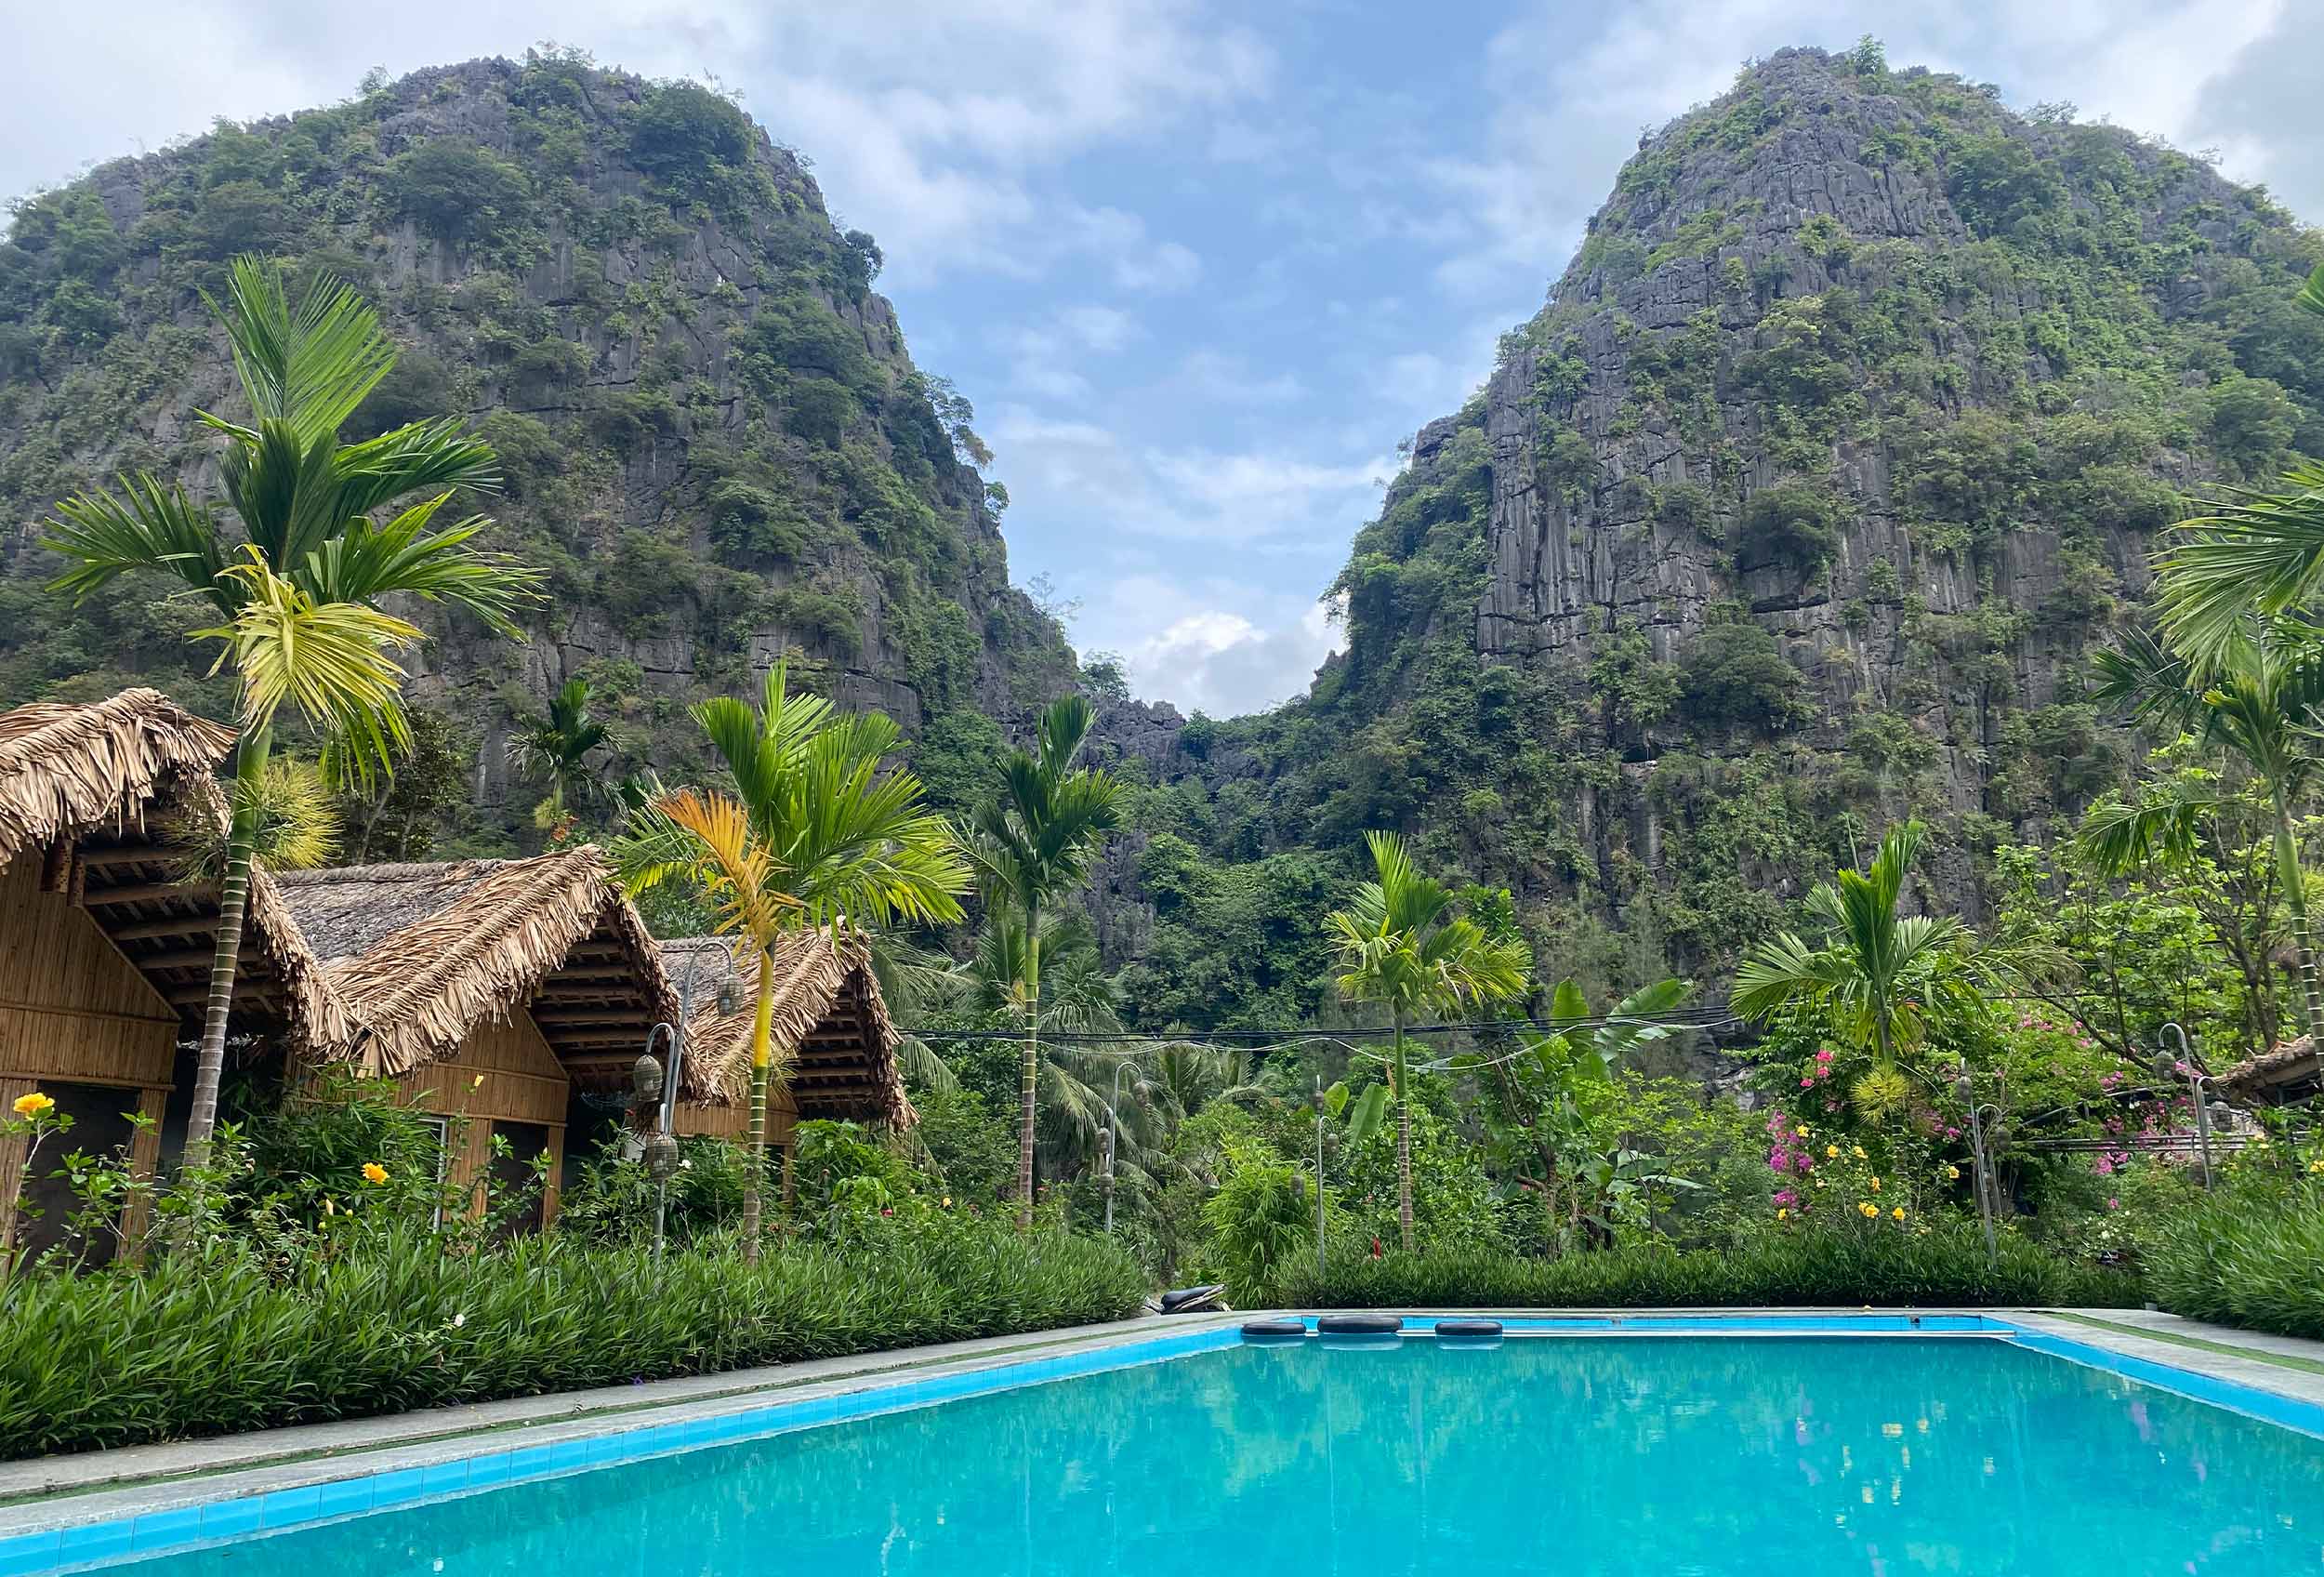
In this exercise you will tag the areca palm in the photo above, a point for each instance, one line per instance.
(1400, 946)
(1877, 978)
(815, 833)
(297, 591)
(1036, 845)
(2260, 701)
(557, 747)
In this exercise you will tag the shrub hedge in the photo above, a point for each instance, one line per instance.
(202, 1346)
(1947, 1266)
(2251, 1256)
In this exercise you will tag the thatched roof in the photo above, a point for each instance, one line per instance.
(66, 770)
(2290, 1072)
(97, 788)
(425, 953)
(832, 1035)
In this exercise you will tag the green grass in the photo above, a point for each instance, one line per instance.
(2257, 1355)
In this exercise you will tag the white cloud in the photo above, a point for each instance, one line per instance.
(935, 124)
(1082, 469)
(1208, 657)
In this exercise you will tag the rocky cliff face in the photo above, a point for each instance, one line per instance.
(714, 437)
(1797, 508)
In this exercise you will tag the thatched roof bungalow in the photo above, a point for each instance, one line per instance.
(104, 943)
(833, 1039)
(502, 989)
(2285, 1075)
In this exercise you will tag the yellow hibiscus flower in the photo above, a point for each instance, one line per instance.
(375, 1172)
(32, 1104)
(1868, 1208)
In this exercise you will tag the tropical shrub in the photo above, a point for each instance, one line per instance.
(1945, 1266)
(2247, 1255)
(205, 1343)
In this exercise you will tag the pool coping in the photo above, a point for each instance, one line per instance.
(102, 1506)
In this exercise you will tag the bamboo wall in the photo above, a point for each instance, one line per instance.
(503, 1072)
(72, 1008)
(734, 1121)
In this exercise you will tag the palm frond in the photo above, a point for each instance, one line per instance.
(333, 661)
(309, 368)
(2256, 550)
(147, 526)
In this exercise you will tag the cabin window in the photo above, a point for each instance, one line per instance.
(512, 1173)
(101, 1127)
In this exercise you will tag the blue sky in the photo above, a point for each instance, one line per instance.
(1200, 267)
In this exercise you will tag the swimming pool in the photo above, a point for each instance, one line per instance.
(1647, 1446)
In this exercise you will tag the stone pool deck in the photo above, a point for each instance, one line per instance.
(140, 1481)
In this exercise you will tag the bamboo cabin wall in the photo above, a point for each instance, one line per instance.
(74, 1012)
(503, 1072)
(70, 1006)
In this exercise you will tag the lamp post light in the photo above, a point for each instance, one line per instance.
(654, 1088)
(1319, 1174)
(2165, 1066)
(1967, 1092)
(1110, 1139)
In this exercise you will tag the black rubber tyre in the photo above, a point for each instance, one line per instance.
(1468, 1328)
(1358, 1325)
(1274, 1331)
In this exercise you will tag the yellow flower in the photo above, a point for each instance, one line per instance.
(1832, 1152)
(1898, 1213)
(2316, 1166)
(1868, 1208)
(375, 1172)
(1952, 1173)
(1806, 1130)
(477, 1082)
(947, 1202)
(32, 1104)
(1859, 1151)
(1781, 1215)
(1875, 1185)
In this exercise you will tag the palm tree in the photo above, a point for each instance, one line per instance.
(1400, 946)
(814, 834)
(557, 747)
(299, 591)
(1875, 976)
(1036, 845)
(2258, 702)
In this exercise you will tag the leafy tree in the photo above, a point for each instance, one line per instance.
(299, 593)
(556, 748)
(1401, 947)
(1036, 845)
(1876, 979)
(401, 815)
(2258, 705)
(1540, 1086)
(813, 834)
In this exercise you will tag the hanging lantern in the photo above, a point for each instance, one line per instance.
(645, 1080)
(661, 1157)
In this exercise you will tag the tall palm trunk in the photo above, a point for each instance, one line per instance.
(1403, 1140)
(242, 839)
(761, 1064)
(2296, 899)
(1029, 1075)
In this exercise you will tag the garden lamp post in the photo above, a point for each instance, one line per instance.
(661, 1143)
(1319, 1174)
(2165, 1066)
(1111, 1138)
(1967, 1091)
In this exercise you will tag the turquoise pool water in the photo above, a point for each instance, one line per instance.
(1598, 1457)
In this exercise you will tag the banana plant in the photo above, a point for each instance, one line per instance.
(1544, 1092)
